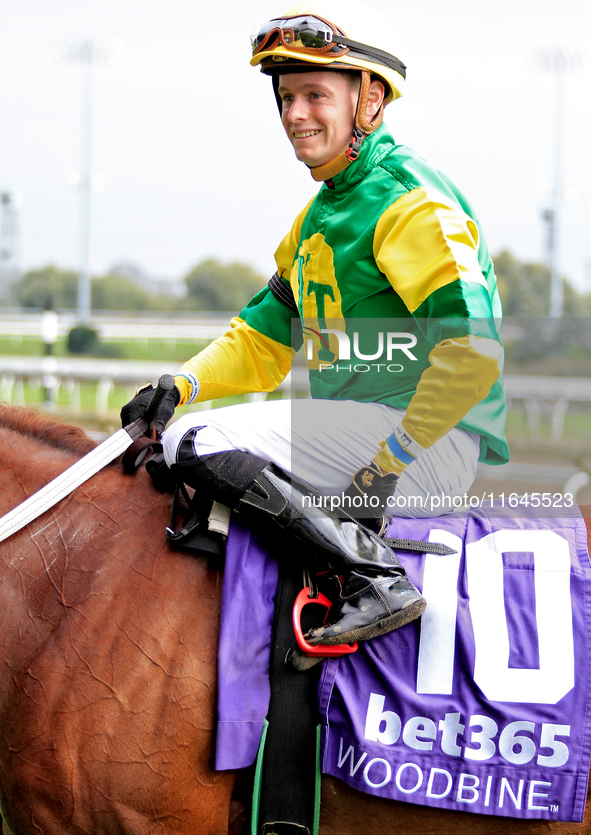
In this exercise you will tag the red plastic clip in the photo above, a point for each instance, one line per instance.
(303, 599)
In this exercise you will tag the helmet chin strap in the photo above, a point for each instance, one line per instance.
(362, 128)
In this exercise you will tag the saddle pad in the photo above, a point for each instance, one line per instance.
(484, 705)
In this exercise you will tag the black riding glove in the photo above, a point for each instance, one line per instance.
(136, 408)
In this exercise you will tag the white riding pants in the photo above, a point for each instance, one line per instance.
(323, 442)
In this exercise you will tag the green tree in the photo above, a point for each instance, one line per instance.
(524, 287)
(544, 346)
(59, 287)
(50, 284)
(113, 292)
(212, 285)
(83, 340)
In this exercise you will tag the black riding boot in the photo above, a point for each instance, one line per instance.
(375, 594)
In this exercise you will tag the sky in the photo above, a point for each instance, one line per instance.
(189, 157)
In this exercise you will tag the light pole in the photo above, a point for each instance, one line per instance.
(87, 55)
(558, 62)
(8, 245)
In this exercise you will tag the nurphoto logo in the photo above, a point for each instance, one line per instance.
(387, 344)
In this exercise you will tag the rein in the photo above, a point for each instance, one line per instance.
(64, 484)
(86, 467)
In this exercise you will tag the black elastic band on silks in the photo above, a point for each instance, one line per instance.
(283, 292)
(289, 800)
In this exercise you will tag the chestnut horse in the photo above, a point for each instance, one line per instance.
(108, 644)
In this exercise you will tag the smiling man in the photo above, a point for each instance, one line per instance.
(386, 278)
(318, 111)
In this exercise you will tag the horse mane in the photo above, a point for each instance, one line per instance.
(46, 430)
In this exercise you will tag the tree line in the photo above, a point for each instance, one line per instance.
(211, 285)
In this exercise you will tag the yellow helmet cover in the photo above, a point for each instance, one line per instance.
(364, 47)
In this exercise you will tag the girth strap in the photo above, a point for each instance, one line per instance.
(288, 802)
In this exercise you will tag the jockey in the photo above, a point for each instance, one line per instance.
(389, 254)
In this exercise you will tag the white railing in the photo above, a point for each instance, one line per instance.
(541, 396)
(191, 326)
(55, 373)
(546, 397)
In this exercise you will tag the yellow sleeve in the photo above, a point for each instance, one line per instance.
(423, 242)
(288, 247)
(461, 373)
(239, 362)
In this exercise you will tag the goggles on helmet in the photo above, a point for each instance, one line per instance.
(302, 34)
(311, 35)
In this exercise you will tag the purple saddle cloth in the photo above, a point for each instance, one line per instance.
(484, 705)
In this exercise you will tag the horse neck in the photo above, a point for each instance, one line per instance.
(33, 450)
(45, 430)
